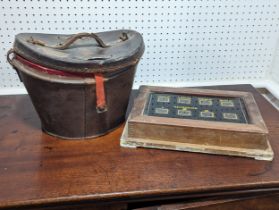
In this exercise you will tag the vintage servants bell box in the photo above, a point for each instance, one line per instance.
(198, 120)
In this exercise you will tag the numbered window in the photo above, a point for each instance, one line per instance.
(230, 116)
(162, 98)
(183, 113)
(207, 114)
(205, 101)
(161, 111)
(227, 103)
(184, 100)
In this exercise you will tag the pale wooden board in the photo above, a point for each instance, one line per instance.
(257, 154)
(223, 138)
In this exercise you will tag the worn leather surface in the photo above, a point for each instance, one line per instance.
(67, 105)
(69, 110)
(84, 55)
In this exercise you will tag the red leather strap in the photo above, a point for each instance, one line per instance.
(100, 92)
(99, 78)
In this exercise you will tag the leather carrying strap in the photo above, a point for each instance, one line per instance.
(72, 39)
(100, 93)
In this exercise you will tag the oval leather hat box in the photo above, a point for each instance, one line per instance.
(79, 84)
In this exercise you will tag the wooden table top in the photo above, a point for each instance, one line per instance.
(36, 168)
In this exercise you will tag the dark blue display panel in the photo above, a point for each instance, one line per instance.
(222, 109)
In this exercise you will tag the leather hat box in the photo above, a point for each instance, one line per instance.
(79, 84)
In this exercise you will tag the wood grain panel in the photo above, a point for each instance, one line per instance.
(39, 170)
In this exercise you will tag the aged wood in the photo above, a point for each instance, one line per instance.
(249, 140)
(269, 202)
(256, 122)
(84, 206)
(38, 170)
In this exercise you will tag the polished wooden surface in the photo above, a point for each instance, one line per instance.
(37, 169)
(262, 202)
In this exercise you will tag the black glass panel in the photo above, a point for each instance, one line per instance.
(223, 109)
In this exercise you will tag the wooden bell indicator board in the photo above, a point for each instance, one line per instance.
(197, 120)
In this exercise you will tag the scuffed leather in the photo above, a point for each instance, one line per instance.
(85, 55)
